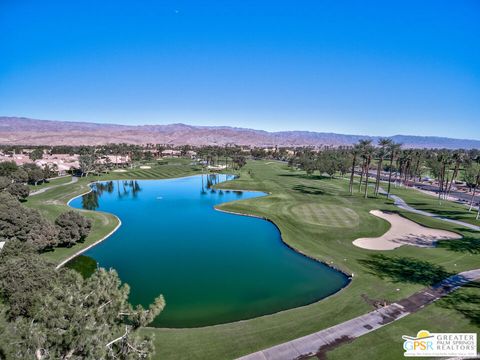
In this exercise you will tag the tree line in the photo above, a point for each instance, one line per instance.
(387, 161)
(402, 165)
(29, 173)
(58, 314)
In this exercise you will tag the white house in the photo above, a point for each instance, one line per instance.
(171, 153)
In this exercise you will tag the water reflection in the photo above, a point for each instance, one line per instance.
(124, 189)
(236, 266)
(90, 200)
(203, 192)
(131, 188)
(210, 180)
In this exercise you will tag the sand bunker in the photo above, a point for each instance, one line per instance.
(120, 170)
(403, 232)
(145, 167)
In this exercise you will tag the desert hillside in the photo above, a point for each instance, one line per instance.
(24, 131)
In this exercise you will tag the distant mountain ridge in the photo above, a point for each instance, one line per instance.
(25, 131)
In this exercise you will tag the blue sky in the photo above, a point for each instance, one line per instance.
(357, 67)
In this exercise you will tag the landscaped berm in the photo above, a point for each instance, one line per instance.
(318, 217)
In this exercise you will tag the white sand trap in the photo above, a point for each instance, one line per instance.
(119, 170)
(403, 232)
(145, 167)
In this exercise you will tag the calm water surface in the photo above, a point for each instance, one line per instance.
(212, 267)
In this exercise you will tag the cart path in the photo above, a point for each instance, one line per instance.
(402, 204)
(42, 190)
(327, 339)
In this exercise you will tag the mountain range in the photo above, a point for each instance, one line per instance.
(25, 131)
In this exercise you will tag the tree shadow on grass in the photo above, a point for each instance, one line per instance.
(455, 214)
(308, 190)
(464, 302)
(405, 269)
(415, 203)
(467, 244)
(305, 176)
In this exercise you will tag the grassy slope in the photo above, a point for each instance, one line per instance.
(59, 181)
(295, 201)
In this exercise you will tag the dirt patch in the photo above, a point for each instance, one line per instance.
(375, 303)
(53, 202)
(322, 352)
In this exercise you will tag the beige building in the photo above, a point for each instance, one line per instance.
(171, 153)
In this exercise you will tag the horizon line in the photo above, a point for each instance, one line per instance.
(232, 127)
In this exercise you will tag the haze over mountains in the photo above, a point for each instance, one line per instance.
(24, 131)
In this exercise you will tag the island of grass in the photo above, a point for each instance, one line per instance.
(317, 217)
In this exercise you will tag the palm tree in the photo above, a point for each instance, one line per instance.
(472, 176)
(477, 183)
(405, 160)
(444, 160)
(459, 158)
(384, 144)
(362, 145)
(419, 157)
(354, 152)
(226, 153)
(394, 149)
(368, 152)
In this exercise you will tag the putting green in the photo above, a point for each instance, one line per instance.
(325, 215)
(289, 189)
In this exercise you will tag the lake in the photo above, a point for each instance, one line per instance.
(212, 267)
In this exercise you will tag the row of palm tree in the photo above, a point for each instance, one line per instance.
(397, 166)
(387, 159)
(367, 152)
(230, 156)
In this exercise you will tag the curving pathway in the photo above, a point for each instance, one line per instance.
(42, 190)
(399, 202)
(320, 342)
(327, 339)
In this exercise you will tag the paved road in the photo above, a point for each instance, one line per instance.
(462, 196)
(398, 201)
(42, 190)
(320, 342)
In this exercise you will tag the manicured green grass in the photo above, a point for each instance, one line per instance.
(292, 196)
(310, 213)
(59, 181)
(53, 202)
(457, 312)
(174, 167)
(432, 204)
